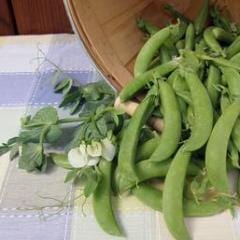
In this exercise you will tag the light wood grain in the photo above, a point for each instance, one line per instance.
(109, 32)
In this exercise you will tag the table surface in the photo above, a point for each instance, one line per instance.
(27, 206)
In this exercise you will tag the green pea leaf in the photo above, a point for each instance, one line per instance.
(61, 160)
(32, 157)
(64, 86)
(53, 134)
(75, 107)
(71, 98)
(45, 116)
(12, 140)
(102, 127)
(90, 92)
(32, 135)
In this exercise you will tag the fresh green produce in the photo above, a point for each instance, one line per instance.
(216, 150)
(102, 201)
(170, 137)
(172, 201)
(152, 197)
(188, 75)
(201, 19)
(126, 172)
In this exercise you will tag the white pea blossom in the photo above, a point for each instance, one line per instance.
(94, 149)
(90, 155)
(108, 149)
(79, 158)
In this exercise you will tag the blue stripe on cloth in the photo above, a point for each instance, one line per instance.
(16, 88)
(21, 89)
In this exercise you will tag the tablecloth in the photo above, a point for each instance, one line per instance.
(28, 202)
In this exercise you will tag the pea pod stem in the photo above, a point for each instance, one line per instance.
(216, 150)
(102, 205)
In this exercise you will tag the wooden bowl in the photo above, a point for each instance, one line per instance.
(109, 32)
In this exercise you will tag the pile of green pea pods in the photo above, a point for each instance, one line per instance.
(190, 72)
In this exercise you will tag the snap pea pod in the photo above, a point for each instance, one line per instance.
(232, 78)
(172, 76)
(189, 38)
(147, 26)
(183, 110)
(180, 44)
(212, 42)
(179, 85)
(102, 205)
(222, 35)
(201, 47)
(234, 48)
(190, 117)
(216, 150)
(139, 82)
(152, 198)
(236, 134)
(164, 55)
(171, 134)
(213, 79)
(172, 200)
(126, 171)
(203, 112)
(149, 49)
(233, 155)
(222, 62)
(146, 149)
(147, 170)
(201, 19)
(236, 58)
(224, 102)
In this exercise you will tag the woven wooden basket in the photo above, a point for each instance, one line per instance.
(109, 32)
